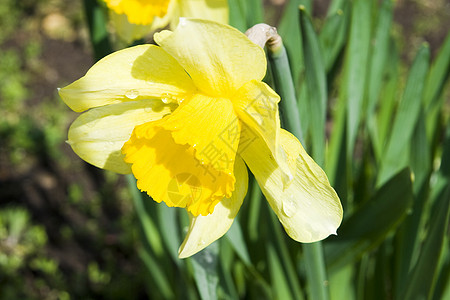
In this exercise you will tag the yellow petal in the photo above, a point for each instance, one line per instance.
(135, 73)
(219, 58)
(214, 10)
(257, 106)
(211, 127)
(309, 208)
(170, 172)
(203, 230)
(127, 31)
(98, 135)
(138, 11)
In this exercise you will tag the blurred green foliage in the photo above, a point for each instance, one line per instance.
(22, 251)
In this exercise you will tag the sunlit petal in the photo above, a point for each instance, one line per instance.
(309, 208)
(257, 106)
(98, 135)
(135, 73)
(203, 230)
(219, 58)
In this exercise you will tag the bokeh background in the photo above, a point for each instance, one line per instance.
(69, 230)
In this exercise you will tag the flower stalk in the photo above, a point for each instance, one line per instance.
(96, 20)
(265, 35)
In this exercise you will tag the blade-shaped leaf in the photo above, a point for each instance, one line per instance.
(255, 12)
(379, 54)
(368, 226)
(335, 5)
(437, 77)
(379, 132)
(284, 86)
(423, 276)
(168, 226)
(396, 154)
(278, 279)
(157, 274)
(317, 86)
(149, 228)
(236, 239)
(334, 34)
(408, 237)
(205, 271)
(97, 22)
(439, 73)
(356, 69)
(289, 29)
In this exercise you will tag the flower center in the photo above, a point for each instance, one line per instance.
(186, 159)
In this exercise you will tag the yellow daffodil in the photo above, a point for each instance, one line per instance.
(186, 117)
(134, 19)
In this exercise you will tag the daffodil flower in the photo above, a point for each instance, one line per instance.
(134, 19)
(186, 117)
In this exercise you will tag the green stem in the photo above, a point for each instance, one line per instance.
(313, 253)
(315, 271)
(150, 231)
(97, 21)
(284, 86)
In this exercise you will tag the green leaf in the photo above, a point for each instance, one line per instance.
(437, 77)
(254, 197)
(379, 54)
(357, 66)
(255, 12)
(380, 127)
(420, 160)
(226, 282)
(238, 11)
(97, 22)
(317, 86)
(149, 228)
(205, 271)
(334, 34)
(442, 289)
(277, 275)
(292, 278)
(336, 163)
(342, 284)
(315, 271)
(396, 154)
(168, 226)
(157, 274)
(284, 86)
(289, 30)
(439, 73)
(369, 225)
(336, 5)
(236, 239)
(445, 162)
(423, 276)
(408, 236)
